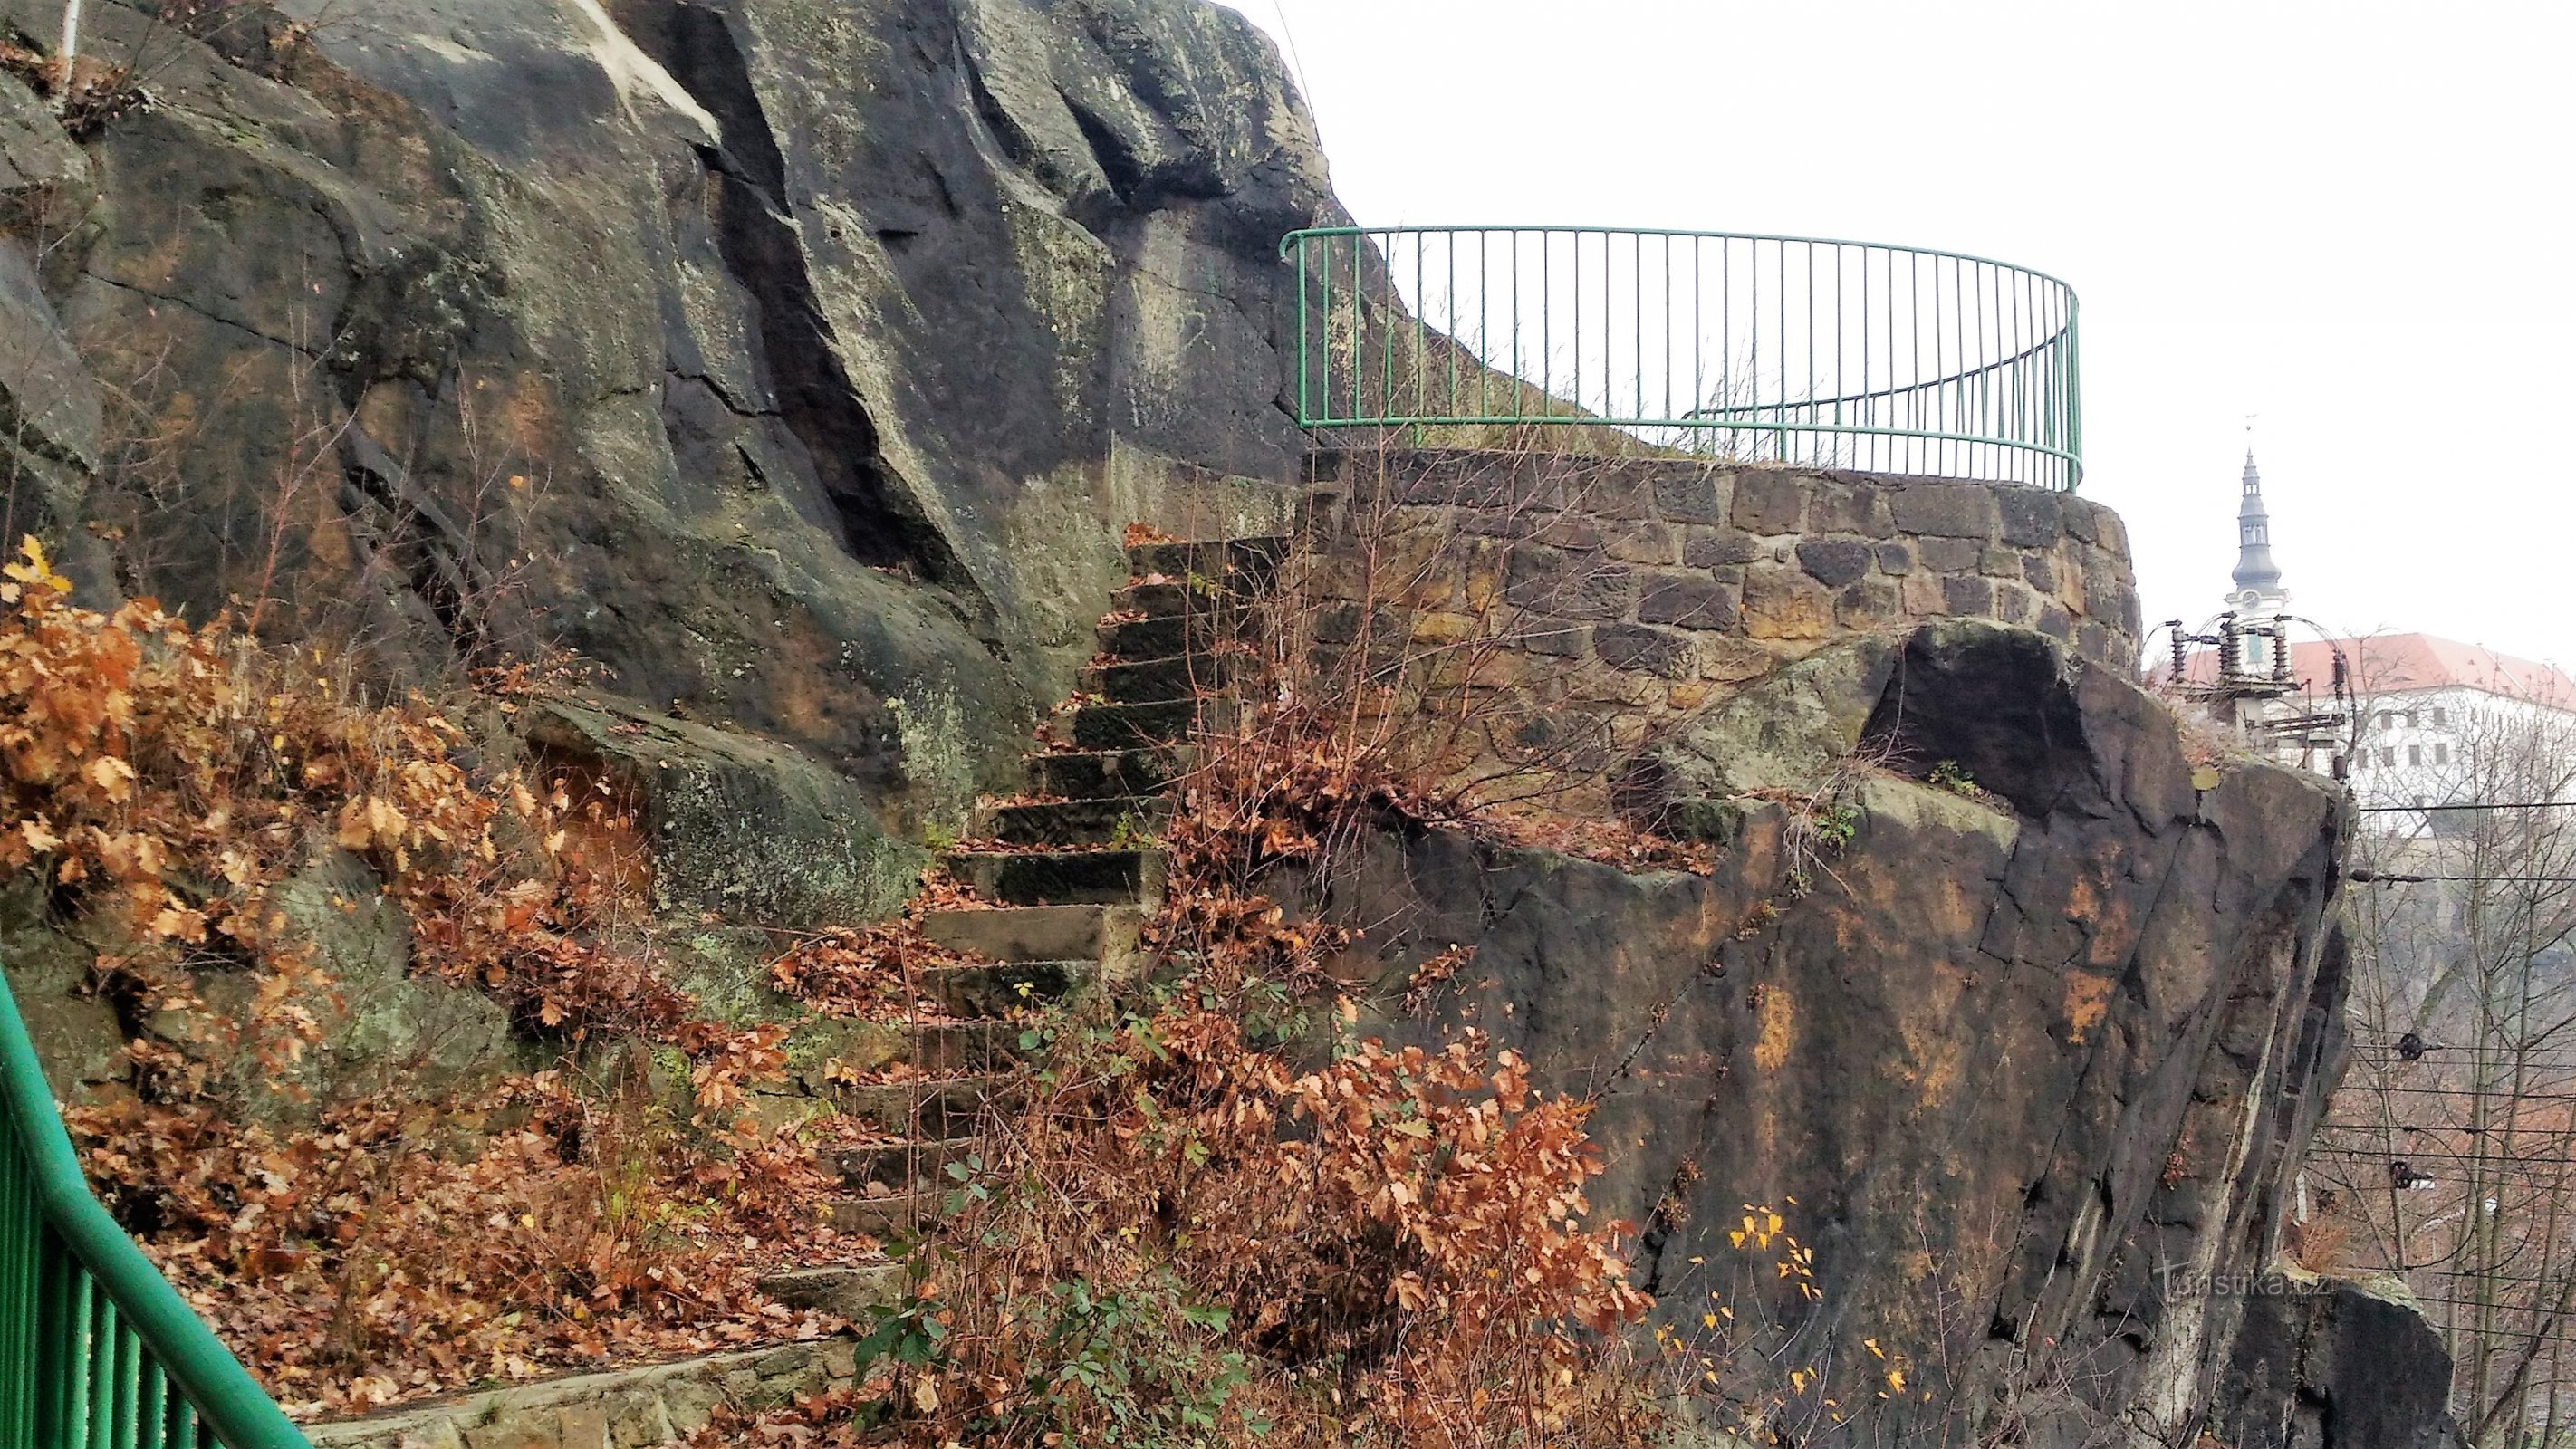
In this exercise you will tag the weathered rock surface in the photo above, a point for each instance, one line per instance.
(785, 359)
(2030, 1069)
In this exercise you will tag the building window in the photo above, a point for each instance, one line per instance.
(2414, 754)
(2441, 754)
(2410, 719)
(2381, 719)
(2441, 717)
(2388, 756)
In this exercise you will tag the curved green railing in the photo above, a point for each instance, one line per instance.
(1736, 346)
(96, 1350)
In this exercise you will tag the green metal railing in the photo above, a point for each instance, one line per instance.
(97, 1351)
(1751, 348)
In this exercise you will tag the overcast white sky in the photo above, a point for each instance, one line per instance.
(2352, 220)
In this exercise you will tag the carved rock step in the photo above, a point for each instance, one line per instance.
(1060, 877)
(898, 1214)
(939, 1108)
(944, 1048)
(1179, 676)
(901, 1165)
(1094, 821)
(1162, 638)
(848, 1289)
(1106, 934)
(1240, 564)
(999, 990)
(1133, 726)
(1091, 774)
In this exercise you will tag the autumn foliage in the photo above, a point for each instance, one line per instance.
(162, 782)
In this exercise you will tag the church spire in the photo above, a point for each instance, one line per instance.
(2255, 571)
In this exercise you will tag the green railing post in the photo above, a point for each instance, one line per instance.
(94, 1344)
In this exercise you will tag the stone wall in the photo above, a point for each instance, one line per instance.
(1617, 597)
(661, 1404)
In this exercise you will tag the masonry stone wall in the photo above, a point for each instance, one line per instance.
(1624, 592)
(625, 1409)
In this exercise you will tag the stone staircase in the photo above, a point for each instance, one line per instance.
(1064, 877)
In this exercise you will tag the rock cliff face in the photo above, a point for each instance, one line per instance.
(786, 359)
(2029, 1066)
(794, 364)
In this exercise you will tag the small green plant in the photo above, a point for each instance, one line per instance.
(1836, 824)
(1141, 1359)
(1130, 834)
(1951, 776)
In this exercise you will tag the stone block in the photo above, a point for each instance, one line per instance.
(582, 1426)
(1691, 599)
(1639, 647)
(1962, 594)
(1441, 627)
(1641, 542)
(1708, 548)
(1921, 597)
(1691, 495)
(1835, 562)
(515, 1432)
(1839, 507)
(1569, 530)
(1553, 637)
(636, 1419)
(2032, 517)
(1769, 501)
(2015, 604)
(1947, 510)
(1895, 557)
(1689, 696)
(439, 1432)
(2093, 641)
(2056, 623)
(1782, 603)
(1501, 523)
(1727, 659)
(1999, 563)
(1868, 604)
(1613, 490)
(1568, 585)
(2040, 572)
(1948, 555)
(688, 1404)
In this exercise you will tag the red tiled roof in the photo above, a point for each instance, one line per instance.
(2398, 663)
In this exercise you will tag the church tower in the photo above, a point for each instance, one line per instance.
(2258, 594)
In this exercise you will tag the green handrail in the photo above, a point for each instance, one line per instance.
(97, 1350)
(1748, 347)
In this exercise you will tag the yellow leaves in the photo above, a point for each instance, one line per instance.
(35, 574)
(113, 777)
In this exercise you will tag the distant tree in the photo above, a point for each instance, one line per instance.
(2449, 1154)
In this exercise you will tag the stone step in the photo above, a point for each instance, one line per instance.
(943, 1048)
(902, 1165)
(1074, 822)
(848, 1289)
(1132, 726)
(1170, 600)
(1178, 676)
(1233, 563)
(1060, 877)
(1106, 934)
(1092, 774)
(1162, 638)
(940, 1107)
(895, 1215)
(1000, 990)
